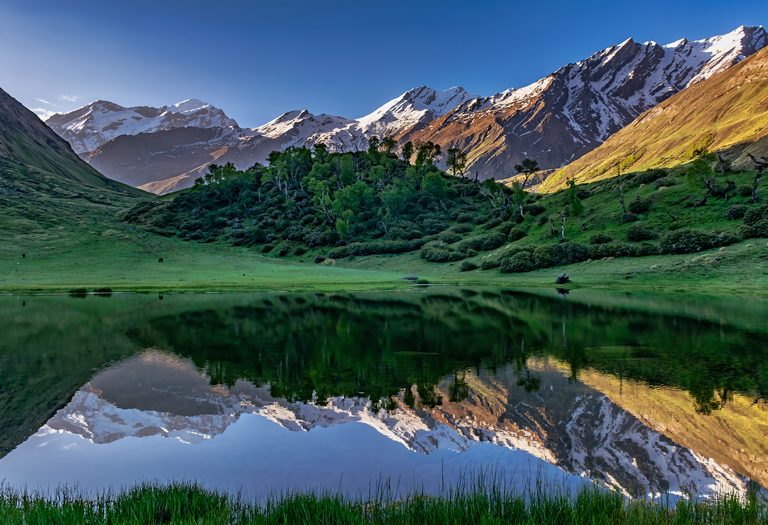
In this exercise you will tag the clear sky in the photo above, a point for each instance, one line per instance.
(256, 59)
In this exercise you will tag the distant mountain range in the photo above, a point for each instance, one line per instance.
(555, 120)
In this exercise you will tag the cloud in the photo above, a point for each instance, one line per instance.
(43, 101)
(69, 98)
(43, 113)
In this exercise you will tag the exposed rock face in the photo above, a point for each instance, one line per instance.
(563, 116)
(726, 113)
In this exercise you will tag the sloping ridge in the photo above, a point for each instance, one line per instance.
(27, 142)
(46, 190)
(727, 112)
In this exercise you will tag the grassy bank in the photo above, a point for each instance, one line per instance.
(129, 261)
(191, 505)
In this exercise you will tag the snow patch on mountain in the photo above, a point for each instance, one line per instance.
(89, 127)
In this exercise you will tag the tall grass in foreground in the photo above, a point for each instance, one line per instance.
(188, 504)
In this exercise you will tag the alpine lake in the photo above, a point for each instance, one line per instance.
(659, 396)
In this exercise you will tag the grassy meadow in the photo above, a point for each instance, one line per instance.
(184, 504)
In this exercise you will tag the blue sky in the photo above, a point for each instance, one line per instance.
(256, 59)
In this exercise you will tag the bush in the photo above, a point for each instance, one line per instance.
(438, 251)
(300, 250)
(519, 262)
(735, 212)
(647, 177)
(495, 221)
(664, 182)
(690, 241)
(515, 234)
(640, 205)
(449, 237)
(534, 210)
(462, 228)
(489, 264)
(494, 240)
(319, 258)
(557, 254)
(467, 266)
(612, 249)
(628, 217)
(755, 223)
(376, 247)
(744, 190)
(464, 217)
(600, 238)
(638, 232)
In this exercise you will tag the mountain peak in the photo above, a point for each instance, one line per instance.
(190, 105)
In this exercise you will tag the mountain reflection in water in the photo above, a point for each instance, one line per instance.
(297, 392)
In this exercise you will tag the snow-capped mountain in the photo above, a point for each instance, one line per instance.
(398, 118)
(566, 114)
(91, 126)
(564, 423)
(553, 120)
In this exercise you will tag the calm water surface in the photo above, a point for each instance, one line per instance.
(262, 394)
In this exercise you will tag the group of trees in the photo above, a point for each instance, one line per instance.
(307, 198)
(383, 201)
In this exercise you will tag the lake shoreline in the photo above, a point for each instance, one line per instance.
(477, 504)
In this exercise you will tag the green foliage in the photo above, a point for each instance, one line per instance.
(479, 498)
(691, 241)
(640, 205)
(319, 199)
(600, 238)
(755, 223)
(467, 266)
(735, 212)
(438, 251)
(638, 232)
(575, 207)
(518, 262)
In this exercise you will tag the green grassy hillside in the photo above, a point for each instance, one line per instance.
(727, 112)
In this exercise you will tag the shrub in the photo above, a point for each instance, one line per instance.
(462, 228)
(735, 212)
(438, 251)
(638, 232)
(755, 223)
(494, 240)
(319, 258)
(515, 234)
(375, 247)
(612, 249)
(557, 254)
(647, 177)
(690, 241)
(664, 182)
(744, 190)
(519, 262)
(283, 251)
(449, 237)
(535, 210)
(640, 205)
(300, 250)
(489, 264)
(628, 217)
(600, 238)
(464, 217)
(467, 266)
(495, 221)
(267, 248)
